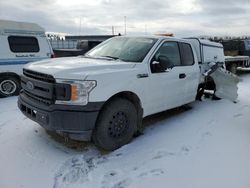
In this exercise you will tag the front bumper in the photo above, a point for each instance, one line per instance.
(76, 122)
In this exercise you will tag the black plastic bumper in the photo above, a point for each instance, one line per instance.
(77, 122)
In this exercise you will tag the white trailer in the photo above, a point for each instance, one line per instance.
(21, 43)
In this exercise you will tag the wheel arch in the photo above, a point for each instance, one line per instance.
(9, 74)
(132, 97)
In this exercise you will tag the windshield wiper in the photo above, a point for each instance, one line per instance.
(86, 56)
(99, 57)
(111, 57)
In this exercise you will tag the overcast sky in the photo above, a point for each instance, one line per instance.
(181, 17)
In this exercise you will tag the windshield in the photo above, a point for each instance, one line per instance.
(130, 49)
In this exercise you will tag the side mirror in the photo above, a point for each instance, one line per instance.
(165, 63)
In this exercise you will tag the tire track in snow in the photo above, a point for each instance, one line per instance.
(78, 170)
(74, 171)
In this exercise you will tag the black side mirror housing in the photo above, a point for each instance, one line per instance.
(161, 64)
(165, 63)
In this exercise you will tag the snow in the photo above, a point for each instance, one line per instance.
(206, 146)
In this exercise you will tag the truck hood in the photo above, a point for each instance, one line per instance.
(77, 67)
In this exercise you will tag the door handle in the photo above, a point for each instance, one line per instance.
(182, 75)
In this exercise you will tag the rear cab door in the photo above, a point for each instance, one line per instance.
(191, 70)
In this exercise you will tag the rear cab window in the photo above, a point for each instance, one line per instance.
(187, 55)
(23, 44)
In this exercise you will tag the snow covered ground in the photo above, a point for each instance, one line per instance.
(205, 147)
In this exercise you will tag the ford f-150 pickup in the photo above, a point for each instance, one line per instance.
(104, 95)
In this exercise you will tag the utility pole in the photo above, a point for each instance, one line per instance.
(125, 25)
(113, 30)
(80, 26)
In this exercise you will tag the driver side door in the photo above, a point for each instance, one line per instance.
(167, 86)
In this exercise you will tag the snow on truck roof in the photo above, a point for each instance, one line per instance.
(13, 27)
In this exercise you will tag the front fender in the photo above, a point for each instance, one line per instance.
(109, 84)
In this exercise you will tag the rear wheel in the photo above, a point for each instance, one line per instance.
(9, 86)
(116, 125)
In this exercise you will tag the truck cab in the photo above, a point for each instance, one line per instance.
(104, 95)
(21, 43)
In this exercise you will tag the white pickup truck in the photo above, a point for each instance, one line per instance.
(104, 95)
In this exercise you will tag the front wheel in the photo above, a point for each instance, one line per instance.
(116, 125)
(9, 86)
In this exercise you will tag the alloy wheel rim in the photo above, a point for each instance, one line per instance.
(7, 87)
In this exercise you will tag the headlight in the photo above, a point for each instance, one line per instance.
(79, 91)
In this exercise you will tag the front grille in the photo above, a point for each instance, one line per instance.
(43, 86)
(38, 98)
(39, 76)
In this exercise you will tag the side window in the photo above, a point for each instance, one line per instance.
(20, 44)
(169, 52)
(186, 54)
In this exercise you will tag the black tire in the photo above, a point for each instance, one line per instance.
(233, 68)
(116, 125)
(9, 86)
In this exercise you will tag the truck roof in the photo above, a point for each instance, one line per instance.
(206, 42)
(201, 41)
(7, 26)
(210, 43)
(154, 37)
